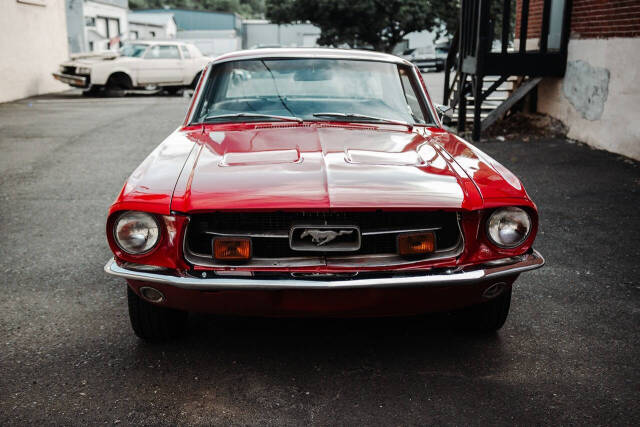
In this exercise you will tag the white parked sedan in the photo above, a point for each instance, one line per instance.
(139, 65)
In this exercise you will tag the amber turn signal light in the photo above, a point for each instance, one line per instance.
(416, 244)
(232, 249)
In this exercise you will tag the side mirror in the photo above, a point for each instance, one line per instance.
(445, 113)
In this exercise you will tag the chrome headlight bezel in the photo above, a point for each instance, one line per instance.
(144, 220)
(83, 70)
(512, 213)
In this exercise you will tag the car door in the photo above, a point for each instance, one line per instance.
(189, 65)
(161, 65)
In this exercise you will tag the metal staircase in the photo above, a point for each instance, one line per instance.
(489, 104)
(482, 83)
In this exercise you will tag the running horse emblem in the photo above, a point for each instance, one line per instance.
(321, 237)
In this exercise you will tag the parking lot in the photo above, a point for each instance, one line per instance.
(568, 354)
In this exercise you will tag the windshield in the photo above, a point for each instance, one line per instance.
(133, 50)
(311, 89)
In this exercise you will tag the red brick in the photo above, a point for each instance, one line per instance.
(589, 18)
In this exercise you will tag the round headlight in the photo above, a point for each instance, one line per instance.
(136, 232)
(508, 227)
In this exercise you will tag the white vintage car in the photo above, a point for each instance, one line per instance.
(140, 65)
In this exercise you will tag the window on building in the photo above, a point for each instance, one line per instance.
(90, 46)
(185, 52)
(90, 21)
(133, 35)
(114, 27)
(107, 27)
(101, 27)
(152, 34)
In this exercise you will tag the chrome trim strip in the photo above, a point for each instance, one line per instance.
(257, 235)
(286, 235)
(202, 260)
(465, 275)
(69, 78)
(425, 98)
(309, 53)
(415, 230)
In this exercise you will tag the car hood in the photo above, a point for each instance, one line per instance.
(319, 166)
(97, 59)
(94, 57)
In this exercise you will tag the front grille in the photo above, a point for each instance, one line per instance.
(270, 231)
(67, 69)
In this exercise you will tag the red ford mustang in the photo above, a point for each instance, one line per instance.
(317, 182)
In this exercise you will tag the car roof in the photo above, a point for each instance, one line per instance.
(310, 52)
(153, 42)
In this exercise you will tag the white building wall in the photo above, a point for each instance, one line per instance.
(212, 43)
(144, 32)
(97, 9)
(171, 29)
(599, 97)
(420, 39)
(33, 42)
(262, 32)
(164, 27)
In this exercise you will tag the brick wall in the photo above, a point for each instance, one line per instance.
(589, 18)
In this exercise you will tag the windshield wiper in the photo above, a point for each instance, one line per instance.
(364, 117)
(254, 115)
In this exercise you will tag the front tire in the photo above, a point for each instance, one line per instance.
(117, 85)
(152, 322)
(489, 316)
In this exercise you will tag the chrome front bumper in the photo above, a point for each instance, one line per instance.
(467, 275)
(76, 81)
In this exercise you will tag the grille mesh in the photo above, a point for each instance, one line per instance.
(69, 70)
(244, 223)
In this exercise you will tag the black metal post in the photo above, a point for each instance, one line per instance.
(445, 96)
(566, 29)
(462, 77)
(524, 23)
(462, 102)
(506, 24)
(544, 34)
(449, 62)
(484, 34)
(477, 107)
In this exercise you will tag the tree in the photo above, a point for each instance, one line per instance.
(379, 24)
(246, 8)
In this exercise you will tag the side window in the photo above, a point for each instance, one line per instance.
(153, 52)
(413, 103)
(163, 52)
(185, 52)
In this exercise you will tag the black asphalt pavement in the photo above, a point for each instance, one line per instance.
(568, 354)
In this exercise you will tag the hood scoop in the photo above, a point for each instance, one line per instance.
(422, 156)
(270, 157)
